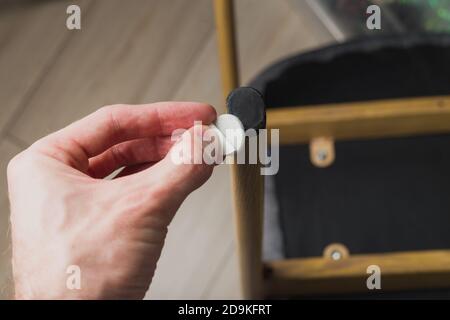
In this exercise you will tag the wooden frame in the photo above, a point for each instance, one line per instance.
(248, 206)
(362, 120)
(376, 119)
(400, 270)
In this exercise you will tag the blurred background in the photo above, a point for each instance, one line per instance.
(142, 51)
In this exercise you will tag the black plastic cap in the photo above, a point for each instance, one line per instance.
(248, 105)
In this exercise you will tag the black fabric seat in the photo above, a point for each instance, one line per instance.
(379, 195)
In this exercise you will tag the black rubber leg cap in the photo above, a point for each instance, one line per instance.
(248, 105)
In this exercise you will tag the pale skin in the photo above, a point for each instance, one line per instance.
(64, 213)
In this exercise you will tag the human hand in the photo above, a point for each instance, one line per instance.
(63, 213)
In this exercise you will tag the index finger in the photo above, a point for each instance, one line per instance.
(111, 125)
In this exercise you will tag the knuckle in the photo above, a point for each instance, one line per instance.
(198, 170)
(112, 112)
(41, 145)
(192, 170)
(107, 109)
(11, 168)
(15, 164)
(198, 174)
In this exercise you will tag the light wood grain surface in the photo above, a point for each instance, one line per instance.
(137, 52)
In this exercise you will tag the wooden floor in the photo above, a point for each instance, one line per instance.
(139, 51)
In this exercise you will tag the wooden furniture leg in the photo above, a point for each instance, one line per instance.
(247, 181)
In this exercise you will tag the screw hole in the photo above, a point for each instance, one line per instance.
(322, 155)
(336, 255)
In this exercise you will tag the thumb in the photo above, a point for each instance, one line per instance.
(182, 170)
